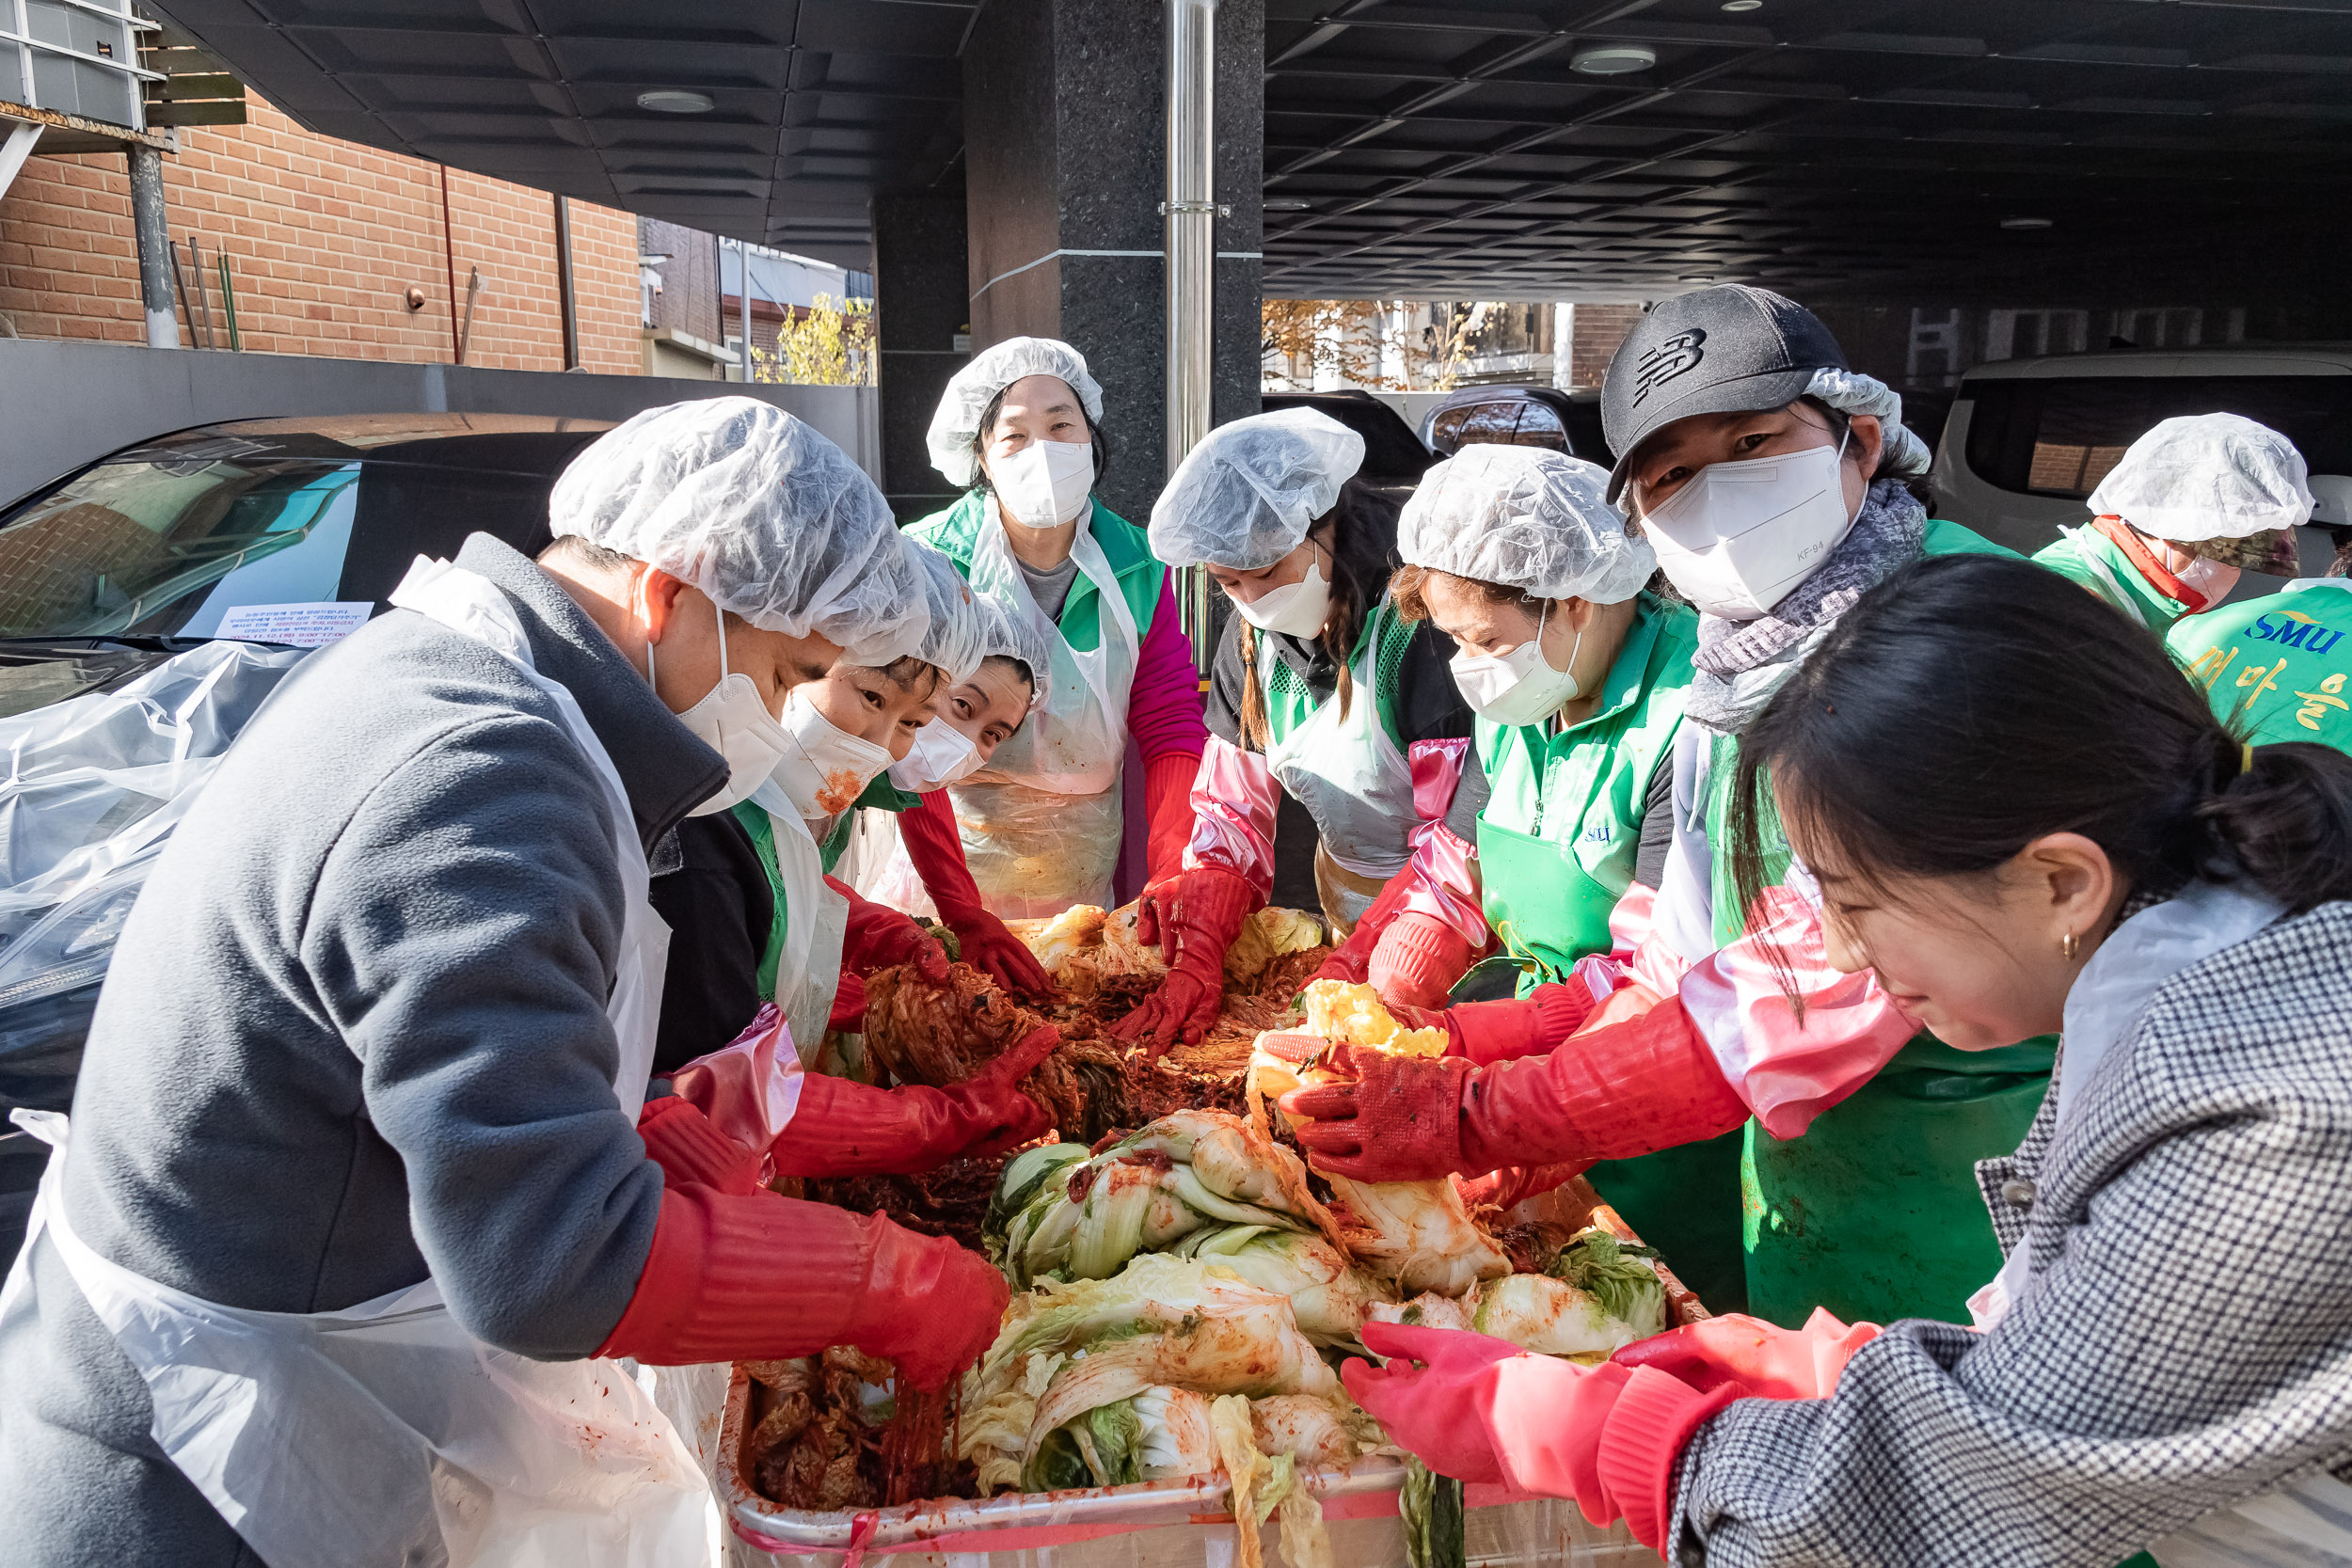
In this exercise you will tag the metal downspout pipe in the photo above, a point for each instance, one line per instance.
(151, 225)
(1191, 214)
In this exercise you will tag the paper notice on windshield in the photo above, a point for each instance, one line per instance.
(299, 625)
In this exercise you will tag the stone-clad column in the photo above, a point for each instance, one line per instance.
(1065, 144)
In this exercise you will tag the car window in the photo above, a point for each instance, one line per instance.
(1445, 430)
(2059, 437)
(1491, 421)
(1540, 426)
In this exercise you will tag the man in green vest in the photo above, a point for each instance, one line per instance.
(2191, 504)
(2275, 668)
(1770, 478)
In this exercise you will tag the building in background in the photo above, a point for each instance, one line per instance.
(1439, 345)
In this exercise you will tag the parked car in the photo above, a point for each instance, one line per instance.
(155, 552)
(1519, 415)
(2029, 439)
(1394, 458)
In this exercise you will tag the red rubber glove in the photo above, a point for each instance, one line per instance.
(936, 849)
(1634, 1087)
(754, 1276)
(1417, 960)
(1482, 1410)
(1531, 1025)
(690, 1151)
(849, 1004)
(1754, 1357)
(1351, 960)
(845, 1128)
(876, 937)
(1514, 1184)
(1167, 808)
(1193, 918)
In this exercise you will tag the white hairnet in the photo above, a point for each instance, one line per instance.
(2207, 476)
(953, 640)
(955, 425)
(1524, 518)
(1006, 631)
(1902, 453)
(1246, 495)
(758, 510)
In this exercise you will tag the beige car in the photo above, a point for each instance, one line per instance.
(2029, 439)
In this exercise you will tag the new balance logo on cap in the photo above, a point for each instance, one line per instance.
(1668, 359)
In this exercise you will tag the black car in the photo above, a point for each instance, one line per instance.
(1394, 458)
(1522, 416)
(151, 553)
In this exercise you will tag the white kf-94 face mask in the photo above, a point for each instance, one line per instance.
(941, 755)
(732, 719)
(1520, 687)
(1045, 484)
(824, 768)
(1740, 535)
(1295, 609)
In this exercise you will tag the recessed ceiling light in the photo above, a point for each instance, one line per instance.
(1612, 59)
(1743, 4)
(2024, 223)
(671, 102)
(1285, 204)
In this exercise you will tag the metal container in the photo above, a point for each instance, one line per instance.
(1177, 1523)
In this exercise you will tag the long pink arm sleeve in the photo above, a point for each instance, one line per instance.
(1233, 799)
(1164, 702)
(1444, 883)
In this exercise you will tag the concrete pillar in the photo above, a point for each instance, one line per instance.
(152, 223)
(921, 317)
(1065, 140)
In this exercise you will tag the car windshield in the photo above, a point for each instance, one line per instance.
(2059, 436)
(250, 539)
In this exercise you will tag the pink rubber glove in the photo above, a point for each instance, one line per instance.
(1754, 1357)
(1480, 1409)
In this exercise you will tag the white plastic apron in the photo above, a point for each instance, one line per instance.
(1042, 822)
(2307, 1524)
(384, 1434)
(816, 922)
(1353, 778)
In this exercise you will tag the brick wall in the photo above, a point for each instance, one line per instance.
(325, 239)
(689, 300)
(1594, 337)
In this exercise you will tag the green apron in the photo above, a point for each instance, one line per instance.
(2089, 558)
(881, 794)
(1874, 1211)
(755, 820)
(1556, 846)
(2275, 668)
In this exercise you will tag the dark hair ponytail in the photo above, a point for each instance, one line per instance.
(1971, 704)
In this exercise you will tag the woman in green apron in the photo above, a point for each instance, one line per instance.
(1042, 823)
(1769, 480)
(1320, 689)
(1578, 676)
(2191, 504)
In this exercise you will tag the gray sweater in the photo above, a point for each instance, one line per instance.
(354, 1032)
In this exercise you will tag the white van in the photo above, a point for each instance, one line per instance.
(2029, 439)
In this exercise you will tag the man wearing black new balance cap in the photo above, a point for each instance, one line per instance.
(1770, 478)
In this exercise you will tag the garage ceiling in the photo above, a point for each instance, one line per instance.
(815, 104)
(1431, 150)
(1458, 151)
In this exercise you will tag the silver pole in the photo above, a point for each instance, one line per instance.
(151, 227)
(1191, 241)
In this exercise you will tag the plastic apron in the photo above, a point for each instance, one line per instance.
(799, 970)
(384, 1433)
(1348, 773)
(1042, 822)
(1874, 1213)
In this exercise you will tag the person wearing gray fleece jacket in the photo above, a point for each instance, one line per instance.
(355, 1034)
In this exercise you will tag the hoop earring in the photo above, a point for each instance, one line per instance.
(2068, 945)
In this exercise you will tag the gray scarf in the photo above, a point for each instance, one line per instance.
(1742, 663)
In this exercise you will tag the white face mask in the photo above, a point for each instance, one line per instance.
(941, 755)
(1520, 687)
(733, 720)
(1045, 484)
(824, 768)
(1295, 609)
(2211, 581)
(1738, 537)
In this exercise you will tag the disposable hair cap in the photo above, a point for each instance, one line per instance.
(2207, 476)
(1005, 632)
(760, 512)
(957, 637)
(1246, 495)
(1524, 518)
(956, 424)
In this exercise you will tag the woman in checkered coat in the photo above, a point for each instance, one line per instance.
(2024, 820)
